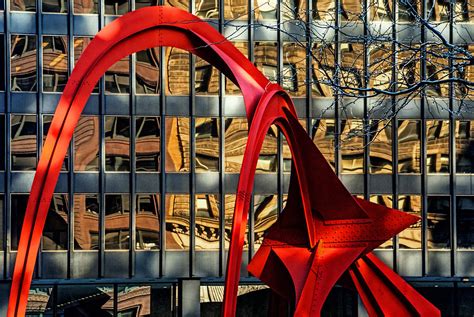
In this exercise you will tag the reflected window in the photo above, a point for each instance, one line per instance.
(266, 59)
(117, 222)
(294, 69)
(85, 300)
(384, 200)
(207, 222)
(206, 78)
(265, 212)
(147, 144)
(18, 209)
(117, 77)
(437, 146)
(230, 87)
(229, 206)
(410, 238)
(380, 147)
(116, 7)
(55, 233)
(268, 158)
(465, 147)
(23, 63)
(177, 222)
(352, 146)
(438, 225)
(86, 144)
(40, 302)
(135, 301)
(177, 71)
(86, 222)
(147, 71)
(80, 44)
(236, 135)
(147, 222)
(55, 72)
(265, 9)
(324, 10)
(55, 6)
(177, 144)
(46, 124)
(465, 222)
(23, 142)
(86, 7)
(207, 9)
(409, 146)
(323, 134)
(235, 9)
(207, 144)
(23, 5)
(322, 70)
(117, 144)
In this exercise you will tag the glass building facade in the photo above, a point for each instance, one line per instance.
(143, 207)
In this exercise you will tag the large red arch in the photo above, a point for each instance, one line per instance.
(265, 104)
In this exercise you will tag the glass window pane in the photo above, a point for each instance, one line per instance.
(116, 7)
(235, 9)
(384, 200)
(40, 302)
(46, 124)
(86, 222)
(23, 63)
(206, 78)
(207, 222)
(438, 222)
(437, 146)
(265, 212)
(2, 64)
(86, 144)
(135, 301)
(465, 147)
(1, 222)
(352, 65)
(55, 233)
(177, 222)
(117, 144)
(117, 77)
(147, 71)
(147, 144)
(23, 5)
(23, 142)
(230, 87)
(465, 222)
(55, 72)
(229, 206)
(117, 221)
(380, 147)
(265, 9)
(57, 6)
(268, 158)
(177, 144)
(2, 142)
(236, 135)
(181, 4)
(207, 9)
(322, 69)
(145, 3)
(177, 71)
(207, 144)
(409, 146)
(323, 133)
(85, 300)
(148, 222)
(410, 238)
(294, 69)
(266, 59)
(352, 146)
(324, 10)
(380, 66)
(18, 209)
(86, 6)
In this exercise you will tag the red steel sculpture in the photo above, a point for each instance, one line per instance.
(322, 234)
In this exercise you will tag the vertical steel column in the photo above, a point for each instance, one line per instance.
(366, 120)
(192, 155)
(7, 198)
(280, 158)
(251, 39)
(222, 91)
(309, 66)
(337, 98)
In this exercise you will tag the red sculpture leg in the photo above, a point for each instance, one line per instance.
(385, 293)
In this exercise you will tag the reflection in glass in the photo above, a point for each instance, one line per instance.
(182, 4)
(86, 6)
(207, 222)
(381, 10)
(352, 68)
(85, 300)
(294, 68)
(293, 10)
(117, 77)
(2, 143)
(207, 144)
(384, 200)
(56, 6)
(206, 78)
(177, 71)
(40, 302)
(229, 206)
(134, 301)
(116, 7)
(117, 144)
(410, 238)
(380, 66)
(80, 44)
(148, 71)
(1, 222)
(437, 146)
(46, 124)
(323, 133)
(117, 221)
(145, 3)
(266, 59)
(2, 65)
(23, 142)
(86, 144)
(207, 9)
(352, 146)
(23, 5)
(268, 158)
(177, 222)
(438, 225)
(230, 87)
(465, 222)
(148, 222)
(380, 147)
(323, 10)
(409, 146)
(236, 134)
(265, 9)
(56, 227)
(18, 209)
(265, 212)
(322, 69)
(235, 9)
(465, 147)
(23, 63)
(86, 222)
(177, 144)
(147, 144)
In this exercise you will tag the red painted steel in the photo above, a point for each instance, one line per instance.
(327, 230)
